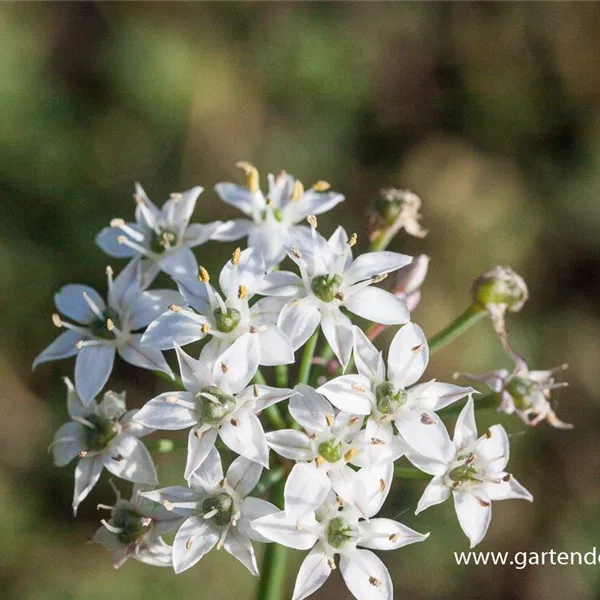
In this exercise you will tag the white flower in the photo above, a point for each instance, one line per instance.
(472, 469)
(389, 395)
(225, 319)
(338, 529)
(134, 530)
(331, 279)
(217, 403)
(163, 237)
(324, 450)
(218, 512)
(273, 218)
(104, 328)
(409, 279)
(102, 435)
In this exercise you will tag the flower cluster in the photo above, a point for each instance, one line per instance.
(332, 450)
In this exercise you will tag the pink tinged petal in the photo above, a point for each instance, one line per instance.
(172, 328)
(232, 230)
(169, 411)
(254, 508)
(305, 490)
(508, 488)
(267, 396)
(178, 210)
(425, 433)
(337, 329)
(310, 409)
(285, 530)
(275, 347)
(374, 485)
(243, 475)
(313, 573)
(235, 195)
(87, 473)
(298, 320)
(291, 444)
(436, 492)
(129, 459)
(194, 293)
(142, 356)
(210, 473)
(246, 437)
(269, 240)
(68, 441)
(149, 305)
(70, 301)
(180, 263)
(194, 539)
(474, 512)
(240, 547)
(93, 366)
(435, 396)
(465, 430)
(386, 534)
(281, 283)
(248, 272)
(197, 234)
(377, 305)
(199, 446)
(194, 373)
(493, 447)
(157, 554)
(236, 367)
(375, 263)
(350, 393)
(366, 356)
(108, 241)
(62, 347)
(366, 576)
(408, 356)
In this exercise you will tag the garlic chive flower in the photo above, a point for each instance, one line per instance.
(272, 218)
(102, 436)
(102, 329)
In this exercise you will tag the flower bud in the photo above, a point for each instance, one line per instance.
(133, 526)
(400, 209)
(389, 399)
(221, 506)
(325, 287)
(337, 532)
(99, 328)
(331, 451)
(227, 321)
(213, 405)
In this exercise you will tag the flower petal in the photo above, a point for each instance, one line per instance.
(247, 437)
(436, 492)
(366, 356)
(507, 489)
(240, 546)
(313, 573)
(350, 393)
(194, 293)
(465, 430)
(366, 576)
(243, 475)
(408, 355)
(130, 460)
(269, 240)
(305, 490)
(275, 347)
(283, 529)
(337, 328)
(435, 395)
(70, 301)
(291, 444)
(267, 396)
(193, 540)
(248, 272)
(280, 283)
(254, 508)
(474, 512)
(169, 411)
(494, 448)
(387, 534)
(149, 305)
(375, 263)
(177, 211)
(236, 367)
(180, 263)
(108, 241)
(170, 328)
(425, 433)
(312, 203)
(235, 195)
(87, 473)
(232, 230)
(377, 305)
(93, 366)
(194, 373)
(141, 356)
(310, 409)
(68, 441)
(62, 347)
(199, 447)
(298, 320)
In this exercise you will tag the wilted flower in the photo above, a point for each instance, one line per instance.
(398, 209)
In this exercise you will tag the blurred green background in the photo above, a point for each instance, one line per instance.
(489, 111)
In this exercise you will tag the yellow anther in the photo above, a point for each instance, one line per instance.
(252, 179)
(321, 186)
(394, 537)
(242, 292)
(205, 328)
(109, 324)
(297, 191)
(378, 278)
(312, 221)
(122, 239)
(189, 543)
(117, 223)
(296, 252)
(224, 368)
(319, 460)
(203, 275)
(382, 485)
(350, 454)
(168, 505)
(56, 320)
(235, 258)
(175, 308)
(175, 196)
(329, 419)
(255, 390)
(353, 239)
(374, 581)
(109, 270)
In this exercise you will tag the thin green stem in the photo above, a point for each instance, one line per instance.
(172, 380)
(281, 376)
(309, 352)
(272, 413)
(410, 473)
(462, 323)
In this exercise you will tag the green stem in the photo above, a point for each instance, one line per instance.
(462, 323)
(482, 401)
(272, 413)
(281, 376)
(165, 445)
(309, 351)
(172, 380)
(410, 473)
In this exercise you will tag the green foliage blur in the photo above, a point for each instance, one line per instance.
(489, 111)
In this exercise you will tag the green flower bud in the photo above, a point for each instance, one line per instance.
(330, 451)
(162, 241)
(500, 287)
(227, 321)
(325, 287)
(223, 504)
(337, 532)
(98, 327)
(520, 390)
(213, 405)
(462, 474)
(389, 399)
(104, 430)
(132, 524)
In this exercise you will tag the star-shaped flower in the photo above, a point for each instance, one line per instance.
(105, 328)
(218, 512)
(218, 402)
(274, 218)
(102, 436)
(472, 469)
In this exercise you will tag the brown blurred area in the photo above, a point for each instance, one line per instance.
(488, 110)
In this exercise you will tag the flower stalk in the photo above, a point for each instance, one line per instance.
(473, 314)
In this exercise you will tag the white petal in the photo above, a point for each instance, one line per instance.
(172, 328)
(436, 492)
(194, 293)
(366, 356)
(408, 356)
(266, 311)
(157, 554)
(435, 395)
(285, 530)
(275, 347)
(312, 203)
(338, 240)
(62, 347)
(142, 356)
(246, 438)
(254, 508)
(377, 305)
(310, 409)
(108, 241)
(281, 283)
(179, 264)
(249, 272)
(269, 240)
(313, 573)
(194, 373)
(166, 413)
(494, 448)
(243, 475)
(425, 463)
(306, 488)
(93, 366)
(213, 350)
(375, 483)
(236, 367)
(507, 489)
(374, 263)
(149, 305)
(210, 473)
(240, 546)
(465, 430)
(337, 328)
(177, 211)
(232, 230)
(197, 234)
(266, 395)
(199, 446)
(350, 393)
(68, 441)
(193, 540)
(235, 195)
(175, 495)
(474, 512)
(366, 576)
(131, 461)
(425, 433)
(70, 301)
(291, 444)
(112, 406)
(126, 286)
(298, 320)
(386, 534)
(87, 473)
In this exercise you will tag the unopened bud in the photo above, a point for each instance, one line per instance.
(400, 208)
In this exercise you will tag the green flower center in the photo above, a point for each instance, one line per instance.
(330, 451)
(98, 327)
(213, 405)
(463, 473)
(338, 532)
(162, 241)
(227, 321)
(389, 399)
(104, 430)
(326, 287)
(133, 526)
(520, 390)
(223, 505)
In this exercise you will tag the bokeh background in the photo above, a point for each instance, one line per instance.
(489, 111)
